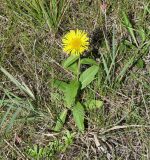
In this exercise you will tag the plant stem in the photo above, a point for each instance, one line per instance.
(78, 71)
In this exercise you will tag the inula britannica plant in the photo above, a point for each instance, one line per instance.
(74, 43)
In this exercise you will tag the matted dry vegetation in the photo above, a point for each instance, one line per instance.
(31, 52)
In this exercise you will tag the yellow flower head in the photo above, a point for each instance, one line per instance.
(75, 42)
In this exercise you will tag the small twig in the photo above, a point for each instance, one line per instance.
(16, 150)
(50, 134)
(2, 17)
(147, 113)
(124, 127)
(53, 61)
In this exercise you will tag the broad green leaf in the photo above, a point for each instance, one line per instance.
(88, 76)
(60, 85)
(93, 104)
(70, 60)
(71, 92)
(74, 68)
(88, 61)
(61, 120)
(78, 115)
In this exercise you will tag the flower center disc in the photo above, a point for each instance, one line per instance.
(76, 43)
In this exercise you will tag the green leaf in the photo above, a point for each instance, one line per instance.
(93, 104)
(60, 85)
(88, 61)
(88, 76)
(61, 120)
(78, 115)
(71, 92)
(70, 60)
(74, 68)
(140, 63)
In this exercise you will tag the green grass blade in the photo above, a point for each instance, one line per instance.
(12, 120)
(5, 116)
(128, 25)
(45, 14)
(125, 68)
(106, 69)
(22, 86)
(54, 12)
